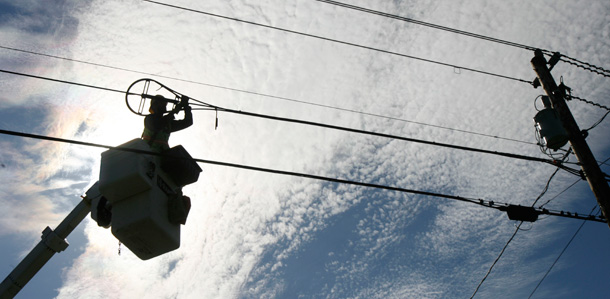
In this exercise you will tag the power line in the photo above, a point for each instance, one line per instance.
(564, 190)
(265, 95)
(571, 239)
(573, 61)
(446, 145)
(62, 81)
(589, 102)
(518, 227)
(560, 254)
(548, 182)
(572, 185)
(546, 188)
(586, 66)
(431, 25)
(599, 68)
(496, 260)
(480, 202)
(339, 41)
(597, 122)
(274, 171)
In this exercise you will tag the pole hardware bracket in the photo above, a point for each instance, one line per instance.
(536, 83)
(554, 59)
(53, 241)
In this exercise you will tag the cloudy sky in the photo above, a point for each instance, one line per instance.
(253, 234)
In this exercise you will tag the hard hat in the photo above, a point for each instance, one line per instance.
(158, 103)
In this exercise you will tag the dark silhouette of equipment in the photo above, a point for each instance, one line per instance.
(549, 126)
(520, 213)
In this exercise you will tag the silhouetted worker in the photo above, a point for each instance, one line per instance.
(158, 127)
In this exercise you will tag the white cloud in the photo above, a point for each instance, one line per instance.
(253, 234)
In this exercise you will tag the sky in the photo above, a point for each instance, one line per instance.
(259, 235)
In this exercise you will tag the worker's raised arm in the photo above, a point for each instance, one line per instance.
(178, 125)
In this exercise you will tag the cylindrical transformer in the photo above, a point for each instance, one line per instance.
(550, 128)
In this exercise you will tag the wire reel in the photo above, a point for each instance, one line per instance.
(140, 93)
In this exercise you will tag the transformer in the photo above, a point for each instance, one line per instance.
(550, 128)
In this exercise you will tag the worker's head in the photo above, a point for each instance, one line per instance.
(158, 104)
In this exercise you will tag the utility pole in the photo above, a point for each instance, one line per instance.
(583, 153)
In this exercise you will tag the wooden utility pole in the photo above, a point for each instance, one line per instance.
(589, 166)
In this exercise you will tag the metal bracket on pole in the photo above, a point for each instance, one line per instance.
(53, 241)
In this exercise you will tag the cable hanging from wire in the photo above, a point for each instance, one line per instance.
(268, 95)
(479, 202)
(341, 42)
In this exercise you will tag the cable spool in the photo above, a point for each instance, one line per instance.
(141, 92)
(550, 128)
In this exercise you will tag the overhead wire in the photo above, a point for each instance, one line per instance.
(590, 102)
(553, 162)
(496, 260)
(241, 112)
(310, 123)
(557, 195)
(518, 227)
(333, 2)
(433, 143)
(431, 25)
(61, 81)
(479, 202)
(351, 130)
(586, 66)
(560, 254)
(266, 95)
(340, 42)
(569, 96)
(310, 176)
(548, 183)
(570, 186)
(546, 188)
(573, 61)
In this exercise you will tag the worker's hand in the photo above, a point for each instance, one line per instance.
(184, 101)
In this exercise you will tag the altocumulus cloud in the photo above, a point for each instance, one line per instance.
(252, 234)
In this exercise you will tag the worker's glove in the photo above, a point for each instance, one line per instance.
(184, 102)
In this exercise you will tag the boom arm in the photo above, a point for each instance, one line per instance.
(53, 241)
